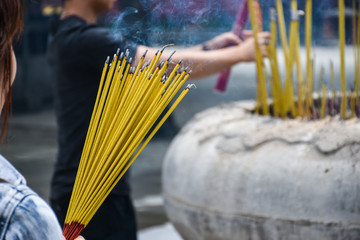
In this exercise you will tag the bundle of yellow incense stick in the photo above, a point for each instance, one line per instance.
(128, 103)
(285, 102)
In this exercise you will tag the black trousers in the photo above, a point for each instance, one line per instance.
(115, 219)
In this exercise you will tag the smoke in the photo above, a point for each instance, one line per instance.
(184, 22)
(188, 22)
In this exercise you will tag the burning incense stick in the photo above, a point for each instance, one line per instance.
(308, 36)
(238, 27)
(129, 102)
(282, 29)
(342, 56)
(272, 55)
(352, 103)
(323, 102)
(255, 12)
(355, 34)
(284, 103)
(296, 49)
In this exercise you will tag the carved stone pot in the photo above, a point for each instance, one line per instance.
(230, 174)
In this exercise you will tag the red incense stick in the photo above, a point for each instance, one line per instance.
(238, 27)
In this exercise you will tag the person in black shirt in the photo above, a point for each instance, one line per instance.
(76, 53)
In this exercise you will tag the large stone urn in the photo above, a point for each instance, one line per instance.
(230, 174)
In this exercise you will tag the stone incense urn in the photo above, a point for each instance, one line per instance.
(230, 174)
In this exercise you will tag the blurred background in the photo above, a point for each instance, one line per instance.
(31, 144)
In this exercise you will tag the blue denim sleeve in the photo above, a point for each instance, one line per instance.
(33, 219)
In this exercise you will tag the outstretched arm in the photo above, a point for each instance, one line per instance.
(205, 63)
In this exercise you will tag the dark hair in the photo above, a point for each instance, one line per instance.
(11, 25)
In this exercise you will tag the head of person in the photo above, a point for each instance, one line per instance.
(11, 24)
(97, 6)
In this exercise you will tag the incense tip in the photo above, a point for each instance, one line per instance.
(118, 52)
(171, 55)
(145, 53)
(273, 14)
(180, 62)
(190, 72)
(107, 60)
(189, 86)
(163, 79)
(186, 69)
(168, 45)
(122, 55)
(161, 64)
(157, 52)
(132, 70)
(130, 60)
(127, 52)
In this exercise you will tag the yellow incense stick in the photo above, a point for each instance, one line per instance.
(129, 102)
(332, 76)
(352, 104)
(323, 101)
(308, 37)
(342, 57)
(357, 66)
(282, 28)
(272, 55)
(262, 93)
(356, 54)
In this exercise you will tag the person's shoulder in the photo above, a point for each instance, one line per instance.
(32, 218)
(73, 30)
(9, 173)
(25, 215)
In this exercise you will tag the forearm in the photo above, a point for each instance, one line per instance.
(205, 63)
(202, 63)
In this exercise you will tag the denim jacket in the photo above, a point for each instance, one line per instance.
(23, 214)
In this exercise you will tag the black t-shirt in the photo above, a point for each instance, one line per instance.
(76, 52)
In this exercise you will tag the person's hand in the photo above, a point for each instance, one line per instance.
(223, 40)
(247, 48)
(78, 238)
